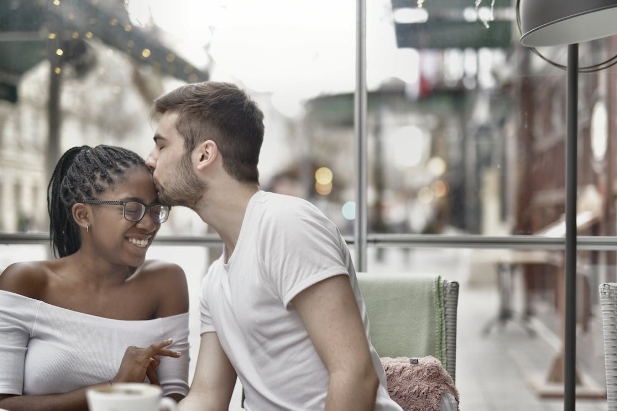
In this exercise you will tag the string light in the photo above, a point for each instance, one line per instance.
(145, 53)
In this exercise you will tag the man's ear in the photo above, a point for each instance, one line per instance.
(205, 154)
(82, 214)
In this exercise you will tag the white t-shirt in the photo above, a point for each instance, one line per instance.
(45, 349)
(285, 245)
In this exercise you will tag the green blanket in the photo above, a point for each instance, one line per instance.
(406, 314)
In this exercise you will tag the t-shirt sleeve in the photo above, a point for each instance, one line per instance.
(17, 317)
(300, 248)
(173, 373)
(207, 325)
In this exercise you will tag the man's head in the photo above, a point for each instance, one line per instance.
(223, 113)
(201, 114)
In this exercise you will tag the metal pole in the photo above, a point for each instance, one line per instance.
(360, 120)
(54, 113)
(571, 185)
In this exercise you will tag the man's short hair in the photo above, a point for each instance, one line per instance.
(223, 113)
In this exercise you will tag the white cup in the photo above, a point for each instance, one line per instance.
(128, 397)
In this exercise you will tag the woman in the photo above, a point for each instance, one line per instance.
(100, 313)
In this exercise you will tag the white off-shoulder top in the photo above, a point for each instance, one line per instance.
(46, 349)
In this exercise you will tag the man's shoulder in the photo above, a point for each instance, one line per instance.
(281, 206)
(214, 272)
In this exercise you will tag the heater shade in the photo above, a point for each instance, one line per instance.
(561, 22)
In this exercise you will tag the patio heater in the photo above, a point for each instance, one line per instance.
(569, 22)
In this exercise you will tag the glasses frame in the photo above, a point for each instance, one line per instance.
(124, 203)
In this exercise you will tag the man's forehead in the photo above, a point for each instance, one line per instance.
(166, 127)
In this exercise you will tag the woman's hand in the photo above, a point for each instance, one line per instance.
(138, 363)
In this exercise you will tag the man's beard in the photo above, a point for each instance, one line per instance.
(183, 188)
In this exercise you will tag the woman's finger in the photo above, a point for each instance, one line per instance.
(170, 353)
(151, 374)
(157, 360)
(154, 349)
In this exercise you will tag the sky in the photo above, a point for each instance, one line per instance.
(293, 49)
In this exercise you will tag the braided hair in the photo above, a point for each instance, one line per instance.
(82, 173)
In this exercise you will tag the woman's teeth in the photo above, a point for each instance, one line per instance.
(138, 242)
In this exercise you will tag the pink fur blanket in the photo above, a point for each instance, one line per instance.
(418, 387)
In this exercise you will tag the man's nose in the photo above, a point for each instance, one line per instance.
(151, 162)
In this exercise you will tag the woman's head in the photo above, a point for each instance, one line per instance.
(83, 175)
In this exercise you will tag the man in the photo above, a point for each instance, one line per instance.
(281, 309)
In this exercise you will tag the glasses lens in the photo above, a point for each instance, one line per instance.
(159, 213)
(134, 211)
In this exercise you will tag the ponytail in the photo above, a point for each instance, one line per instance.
(64, 233)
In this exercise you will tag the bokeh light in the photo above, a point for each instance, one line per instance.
(324, 176)
(349, 210)
(323, 189)
(437, 166)
(425, 195)
(440, 188)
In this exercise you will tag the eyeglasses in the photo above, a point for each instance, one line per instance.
(134, 211)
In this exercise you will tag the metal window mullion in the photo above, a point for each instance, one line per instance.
(360, 122)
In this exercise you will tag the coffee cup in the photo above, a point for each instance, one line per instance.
(128, 397)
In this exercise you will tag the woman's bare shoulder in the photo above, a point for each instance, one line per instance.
(169, 280)
(27, 278)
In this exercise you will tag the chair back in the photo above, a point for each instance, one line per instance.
(608, 302)
(412, 315)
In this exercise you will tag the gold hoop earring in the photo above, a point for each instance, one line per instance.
(88, 228)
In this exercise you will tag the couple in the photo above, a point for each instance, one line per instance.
(281, 309)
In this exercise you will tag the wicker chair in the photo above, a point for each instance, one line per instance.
(608, 301)
(450, 299)
(390, 311)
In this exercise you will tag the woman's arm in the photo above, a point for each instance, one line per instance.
(71, 401)
(137, 363)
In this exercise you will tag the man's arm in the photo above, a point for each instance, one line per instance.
(331, 316)
(214, 380)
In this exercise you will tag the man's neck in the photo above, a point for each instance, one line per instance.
(225, 212)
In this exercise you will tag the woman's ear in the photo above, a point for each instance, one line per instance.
(82, 214)
(205, 154)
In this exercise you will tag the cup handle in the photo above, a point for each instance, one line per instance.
(167, 404)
